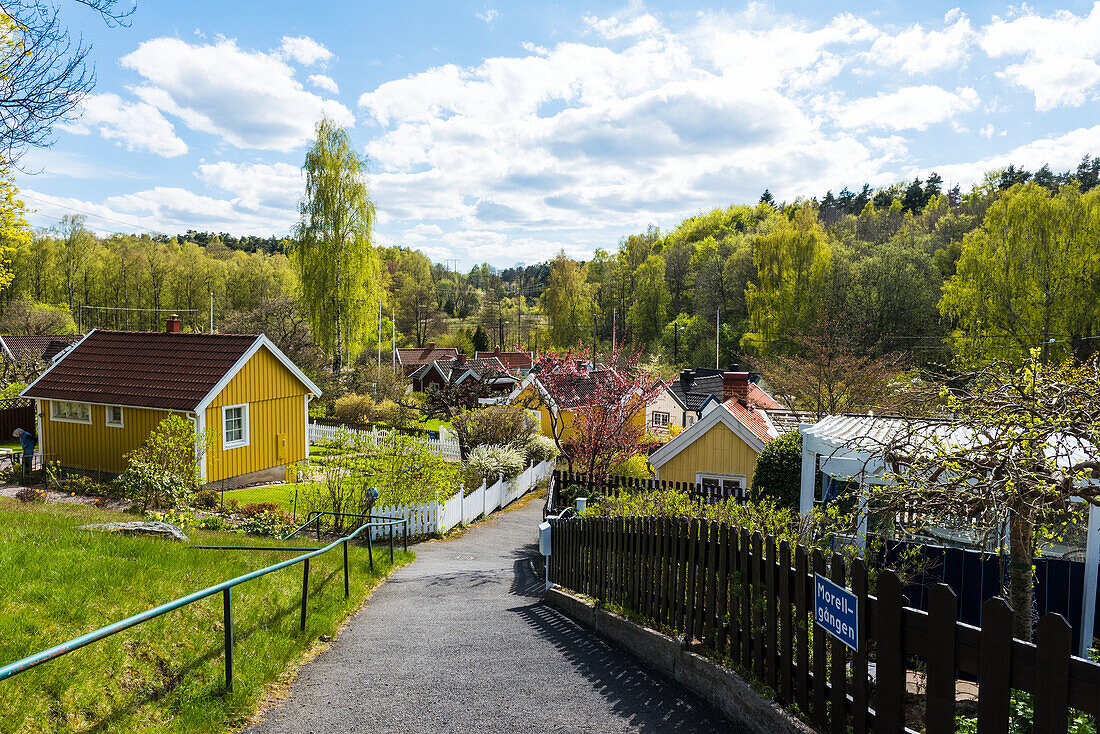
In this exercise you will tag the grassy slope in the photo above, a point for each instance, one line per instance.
(166, 674)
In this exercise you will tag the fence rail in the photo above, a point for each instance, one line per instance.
(613, 486)
(444, 445)
(746, 597)
(226, 589)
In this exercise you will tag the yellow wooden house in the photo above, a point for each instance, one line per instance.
(105, 394)
(559, 414)
(719, 450)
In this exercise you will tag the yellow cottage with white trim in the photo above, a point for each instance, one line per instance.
(104, 395)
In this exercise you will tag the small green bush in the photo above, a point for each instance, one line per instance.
(495, 425)
(487, 463)
(270, 523)
(778, 472)
(212, 522)
(540, 448)
(354, 408)
(85, 486)
(636, 467)
(206, 499)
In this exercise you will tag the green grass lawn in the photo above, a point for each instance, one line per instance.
(166, 674)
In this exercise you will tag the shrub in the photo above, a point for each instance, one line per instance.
(394, 414)
(272, 523)
(354, 408)
(85, 486)
(778, 472)
(206, 499)
(30, 494)
(212, 522)
(256, 508)
(496, 425)
(486, 463)
(636, 467)
(163, 471)
(540, 448)
(153, 488)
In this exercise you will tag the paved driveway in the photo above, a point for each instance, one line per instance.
(459, 642)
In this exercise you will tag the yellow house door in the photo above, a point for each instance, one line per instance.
(280, 447)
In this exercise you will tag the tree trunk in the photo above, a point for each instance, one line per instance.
(1020, 592)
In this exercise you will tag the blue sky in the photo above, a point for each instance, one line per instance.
(503, 132)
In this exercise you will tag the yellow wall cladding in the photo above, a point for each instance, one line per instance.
(276, 419)
(96, 446)
(719, 451)
(276, 431)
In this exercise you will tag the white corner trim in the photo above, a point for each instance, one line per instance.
(261, 341)
(226, 445)
(720, 414)
(200, 427)
(57, 360)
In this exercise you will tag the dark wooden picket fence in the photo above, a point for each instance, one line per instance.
(613, 486)
(746, 598)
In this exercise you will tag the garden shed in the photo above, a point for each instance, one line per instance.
(103, 397)
(839, 450)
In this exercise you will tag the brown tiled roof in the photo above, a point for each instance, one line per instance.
(760, 398)
(580, 391)
(40, 346)
(426, 355)
(143, 369)
(510, 360)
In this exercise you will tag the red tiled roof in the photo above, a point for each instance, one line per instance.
(143, 369)
(752, 419)
(579, 391)
(510, 360)
(40, 346)
(425, 355)
(761, 398)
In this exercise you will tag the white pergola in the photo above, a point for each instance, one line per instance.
(832, 445)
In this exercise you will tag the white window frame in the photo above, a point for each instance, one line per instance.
(55, 417)
(657, 415)
(226, 444)
(701, 475)
(107, 416)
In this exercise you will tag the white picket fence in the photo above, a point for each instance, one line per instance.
(445, 445)
(439, 517)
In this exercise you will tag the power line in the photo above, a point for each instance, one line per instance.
(92, 214)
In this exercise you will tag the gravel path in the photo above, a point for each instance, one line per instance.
(460, 642)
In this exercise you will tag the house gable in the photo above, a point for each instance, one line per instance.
(717, 444)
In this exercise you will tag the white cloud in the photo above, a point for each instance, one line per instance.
(256, 185)
(326, 83)
(909, 108)
(612, 28)
(1063, 152)
(136, 125)
(249, 98)
(304, 50)
(489, 15)
(162, 209)
(562, 144)
(1061, 54)
(919, 51)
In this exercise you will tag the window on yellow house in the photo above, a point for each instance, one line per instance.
(62, 410)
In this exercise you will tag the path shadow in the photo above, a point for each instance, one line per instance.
(644, 698)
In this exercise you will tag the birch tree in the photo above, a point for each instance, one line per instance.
(339, 272)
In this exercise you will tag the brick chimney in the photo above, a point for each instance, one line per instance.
(431, 346)
(735, 385)
(173, 325)
(461, 358)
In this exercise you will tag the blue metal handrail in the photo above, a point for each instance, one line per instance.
(226, 587)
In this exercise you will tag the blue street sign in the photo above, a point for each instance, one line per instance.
(836, 610)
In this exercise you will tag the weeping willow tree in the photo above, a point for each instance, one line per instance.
(339, 272)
